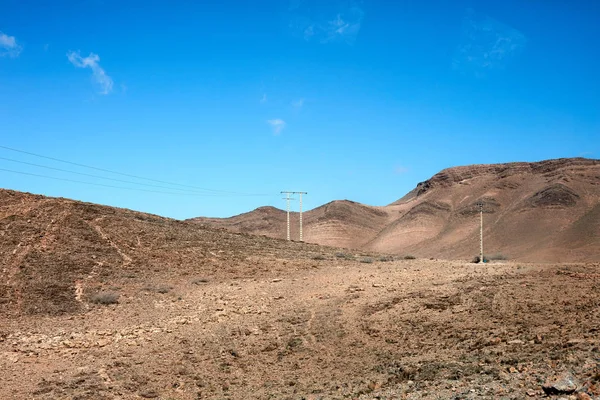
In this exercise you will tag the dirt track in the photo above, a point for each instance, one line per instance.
(330, 328)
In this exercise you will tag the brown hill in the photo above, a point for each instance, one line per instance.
(105, 303)
(56, 253)
(539, 211)
(340, 223)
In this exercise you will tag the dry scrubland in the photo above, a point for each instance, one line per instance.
(297, 328)
(103, 303)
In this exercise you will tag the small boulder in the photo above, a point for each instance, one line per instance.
(562, 384)
(149, 394)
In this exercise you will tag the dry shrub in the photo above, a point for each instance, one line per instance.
(105, 298)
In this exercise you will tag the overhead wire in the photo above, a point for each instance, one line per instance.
(196, 191)
(101, 184)
(95, 176)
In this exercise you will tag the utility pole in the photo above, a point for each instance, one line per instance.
(480, 204)
(288, 198)
(301, 193)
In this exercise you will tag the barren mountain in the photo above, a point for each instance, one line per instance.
(99, 303)
(539, 211)
(340, 223)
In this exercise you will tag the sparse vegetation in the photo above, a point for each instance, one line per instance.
(319, 257)
(498, 257)
(105, 298)
(366, 260)
(200, 281)
(386, 258)
(158, 289)
(345, 256)
(409, 257)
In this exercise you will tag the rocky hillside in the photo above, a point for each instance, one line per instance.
(56, 254)
(539, 211)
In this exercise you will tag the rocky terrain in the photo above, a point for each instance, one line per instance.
(546, 211)
(104, 303)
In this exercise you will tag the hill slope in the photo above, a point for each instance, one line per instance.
(56, 253)
(339, 223)
(540, 211)
(206, 313)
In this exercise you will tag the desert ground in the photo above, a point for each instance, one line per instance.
(105, 303)
(330, 326)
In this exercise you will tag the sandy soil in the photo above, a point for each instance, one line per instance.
(331, 327)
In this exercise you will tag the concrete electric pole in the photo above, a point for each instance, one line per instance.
(480, 204)
(288, 198)
(301, 193)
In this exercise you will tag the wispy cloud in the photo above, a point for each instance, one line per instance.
(486, 45)
(277, 125)
(263, 99)
(294, 4)
(298, 104)
(92, 62)
(399, 170)
(9, 47)
(325, 21)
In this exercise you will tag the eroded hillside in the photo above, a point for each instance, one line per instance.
(543, 211)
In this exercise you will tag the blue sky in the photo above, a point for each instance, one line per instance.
(346, 99)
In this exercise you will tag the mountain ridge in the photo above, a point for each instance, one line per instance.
(535, 211)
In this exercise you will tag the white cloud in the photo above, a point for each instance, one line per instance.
(486, 44)
(277, 125)
(294, 4)
(326, 22)
(309, 32)
(9, 47)
(92, 61)
(298, 104)
(399, 170)
(345, 30)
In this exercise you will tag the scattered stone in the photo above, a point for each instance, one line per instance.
(149, 394)
(538, 339)
(562, 384)
(515, 341)
(276, 280)
(583, 396)
(104, 375)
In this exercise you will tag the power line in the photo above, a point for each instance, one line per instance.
(96, 176)
(131, 175)
(103, 185)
